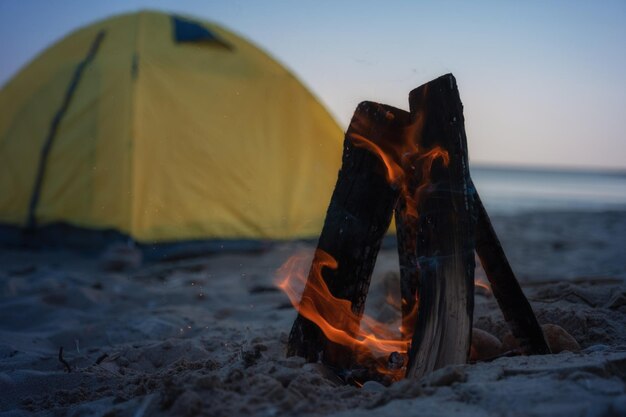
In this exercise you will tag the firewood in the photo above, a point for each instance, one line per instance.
(442, 244)
(515, 307)
(416, 165)
(357, 219)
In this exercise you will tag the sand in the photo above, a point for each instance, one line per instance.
(206, 336)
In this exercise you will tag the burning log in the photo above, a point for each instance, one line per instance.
(437, 246)
(416, 166)
(357, 219)
(515, 307)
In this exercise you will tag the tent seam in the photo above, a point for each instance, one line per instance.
(133, 129)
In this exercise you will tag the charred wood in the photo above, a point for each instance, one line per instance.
(357, 219)
(515, 307)
(443, 249)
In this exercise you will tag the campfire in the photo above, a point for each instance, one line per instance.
(412, 166)
(373, 345)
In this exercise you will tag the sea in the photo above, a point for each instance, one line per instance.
(506, 190)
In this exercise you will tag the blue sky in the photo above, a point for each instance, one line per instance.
(542, 82)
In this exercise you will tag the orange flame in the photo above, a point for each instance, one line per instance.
(368, 338)
(483, 284)
(400, 156)
(393, 301)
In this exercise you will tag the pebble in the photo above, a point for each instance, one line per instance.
(484, 345)
(559, 339)
(395, 361)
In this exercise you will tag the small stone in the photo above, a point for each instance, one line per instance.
(559, 339)
(395, 361)
(373, 386)
(484, 345)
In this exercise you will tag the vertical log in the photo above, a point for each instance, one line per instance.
(515, 307)
(406, 229)
(444, 249)
(357, 219)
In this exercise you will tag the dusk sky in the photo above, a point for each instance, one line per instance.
(542, 85)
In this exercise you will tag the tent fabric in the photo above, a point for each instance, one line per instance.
(31, 222)
(188, 31)
(165, 141)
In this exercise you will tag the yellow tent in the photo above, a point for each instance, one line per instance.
(164, 129)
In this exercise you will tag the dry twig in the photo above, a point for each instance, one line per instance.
(68, 368)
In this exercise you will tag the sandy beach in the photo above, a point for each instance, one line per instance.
(168, 168)
(206, 336)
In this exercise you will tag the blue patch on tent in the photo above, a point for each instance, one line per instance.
(187, 31)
